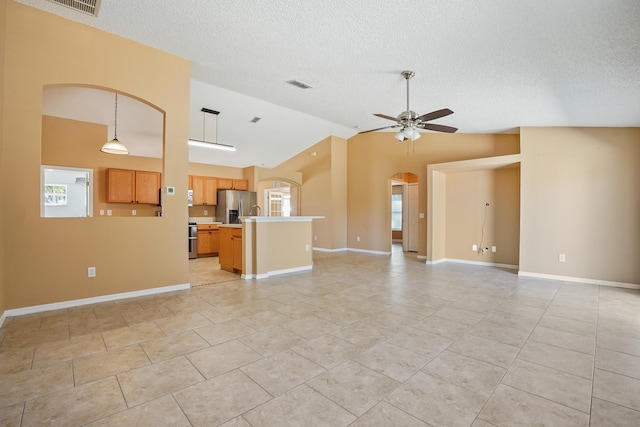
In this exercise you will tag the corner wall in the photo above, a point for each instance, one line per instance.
(580, 197)
(130, 254)
(3, 180)
(374, 157)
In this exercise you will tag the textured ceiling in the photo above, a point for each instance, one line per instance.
(497, 64)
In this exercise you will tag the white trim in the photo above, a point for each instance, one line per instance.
(366, 251)
(579, 280)
(276, 272)
(422, 257)
(93, 300)
(278, 218)
(330, 250)
(4, 316)
(484, 264)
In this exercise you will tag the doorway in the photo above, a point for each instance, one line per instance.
(404, 210)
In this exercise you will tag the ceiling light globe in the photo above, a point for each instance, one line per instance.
(408, 132)
(416, 135)
(399, 136)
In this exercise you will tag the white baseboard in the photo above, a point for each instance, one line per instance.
(366, 251)
(330, 250)
(423, 257)
(92, 300)
(277, 272)
(4, 316)
(579, 280)
(480, 263)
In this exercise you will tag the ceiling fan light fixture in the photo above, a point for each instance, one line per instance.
(408, 132)
(399, 136)
(416, 135)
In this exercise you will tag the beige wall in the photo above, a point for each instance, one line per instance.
(374, 157)
(580, 197)
(324, 190)
(272, 247)
(466, 196)
(3, 183)
(129, 253)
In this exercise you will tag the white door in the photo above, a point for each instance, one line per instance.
(412, 218)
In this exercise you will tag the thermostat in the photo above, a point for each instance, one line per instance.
(171, 191)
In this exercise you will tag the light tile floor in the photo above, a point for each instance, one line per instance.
(362, 340)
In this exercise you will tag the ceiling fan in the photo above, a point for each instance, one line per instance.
(410, 122)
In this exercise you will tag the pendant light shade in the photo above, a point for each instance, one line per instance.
(114, 146)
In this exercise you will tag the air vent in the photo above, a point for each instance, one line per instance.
(255, 120)
(90, 7)
(299, 84)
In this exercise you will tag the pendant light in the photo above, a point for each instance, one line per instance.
(205, 144)
(114, 146)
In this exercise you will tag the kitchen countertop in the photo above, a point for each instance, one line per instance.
(204, 220)
(231, 225)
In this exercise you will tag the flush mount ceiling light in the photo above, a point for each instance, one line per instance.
(114, 146)
(205, 144)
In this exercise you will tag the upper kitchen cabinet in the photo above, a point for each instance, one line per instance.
(131, 186)
(232, 184)
(204, 189)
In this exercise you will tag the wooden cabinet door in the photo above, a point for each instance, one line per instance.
(225, 184)
(148, 187)
(240, 184)
(226, 250)
(197, 185)
(121, 186)
(210, 191)
(214, 241)
(203, 243)
(236, 243)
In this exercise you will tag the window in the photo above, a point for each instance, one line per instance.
(396, 212)
(66, 192)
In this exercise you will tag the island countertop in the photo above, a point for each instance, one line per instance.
(278, 218)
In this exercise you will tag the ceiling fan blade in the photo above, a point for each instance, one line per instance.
(373, 130)
(437, 128)
(384, 116)
(435, 115)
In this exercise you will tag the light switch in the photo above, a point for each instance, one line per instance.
(421, 215)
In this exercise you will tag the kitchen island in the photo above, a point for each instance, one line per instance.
(269, 245)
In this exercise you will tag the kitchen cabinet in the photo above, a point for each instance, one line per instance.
(231, 249)
(232, 184)
(208, 240)
(204, 189)
(132, 186)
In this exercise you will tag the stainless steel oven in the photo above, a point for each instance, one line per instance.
(193, 240)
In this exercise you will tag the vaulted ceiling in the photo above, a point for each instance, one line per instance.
(497, 64)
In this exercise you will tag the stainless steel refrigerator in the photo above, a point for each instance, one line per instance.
(232, 204)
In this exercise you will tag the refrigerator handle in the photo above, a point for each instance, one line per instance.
(241, 212)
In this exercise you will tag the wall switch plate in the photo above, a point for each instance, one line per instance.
(561, 258)
(315, 237)
(108, 212)
(474, 247)
(421, 215)
(91, 272)
(133, 212)
(493, 249)
(306, 248)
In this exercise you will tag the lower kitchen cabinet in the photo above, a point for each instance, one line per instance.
(231, 249)
(208, 240)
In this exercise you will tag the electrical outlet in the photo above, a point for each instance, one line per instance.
(91, 272)
(493, 249)
(315, 237)
(358, 238)
(133, 212)
(474, 248)
(561, 258)
(108, 212)
(306, 248)
(206, 212)
(101, 211)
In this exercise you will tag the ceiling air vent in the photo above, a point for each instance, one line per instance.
(299, 84)
(255, 120)
(90, 7)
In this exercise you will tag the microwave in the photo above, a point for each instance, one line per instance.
(189, 197)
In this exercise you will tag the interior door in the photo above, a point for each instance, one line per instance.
(411, 226)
